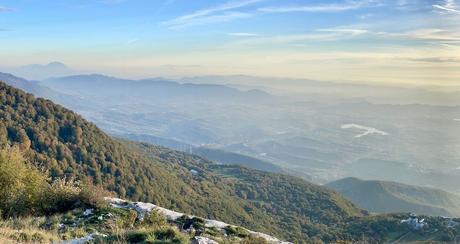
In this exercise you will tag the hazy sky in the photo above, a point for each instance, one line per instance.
(400, 41)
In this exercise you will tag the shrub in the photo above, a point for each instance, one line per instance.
(236, 231)
(137, 236)
(162, 235)
(93, 196)
(186, 222)
(254, 240)
(66, 194)
(62, 195)
(21, 186)
(154, 219)
(24, 190)
(170, 235)
(213, 231)
(127, 218)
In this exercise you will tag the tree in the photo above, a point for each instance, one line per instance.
(3, 136)
(23, 140)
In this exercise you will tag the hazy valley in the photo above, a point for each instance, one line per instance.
(310, 159)
(319, 139)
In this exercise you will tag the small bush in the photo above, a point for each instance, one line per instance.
(62, 195)
(154, 219)
(67, 194)
(162, 235)
(254, 240)
(165, 234)
(213, 231)
(93, 196)
(236, 231)
(24, 190)
(21, 186)
(186, 223)
(127, 218)
(137, 236)
(170, 235)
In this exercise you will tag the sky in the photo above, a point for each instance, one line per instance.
(414, 42)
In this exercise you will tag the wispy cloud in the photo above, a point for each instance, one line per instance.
(5, 9)
(220, 13)
(295, 39)
(243, 34)
(305, 37)
(445, 37)
(345, 31)
(449, 6)
(224, 17)
(437, 60)
(332, 7)
(431, 35)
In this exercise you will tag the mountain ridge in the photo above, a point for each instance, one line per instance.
(88, 84)
(386, 196)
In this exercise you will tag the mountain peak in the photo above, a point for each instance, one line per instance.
(42, 71)
(56, 64)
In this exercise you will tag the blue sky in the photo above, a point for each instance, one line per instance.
(384, 41)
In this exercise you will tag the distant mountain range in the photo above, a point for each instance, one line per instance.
(42, 71)
(390, 197)
(371, 92)
(118, 90)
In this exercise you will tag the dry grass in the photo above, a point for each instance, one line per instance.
(30, 230)
(26, 230)
(28, 235)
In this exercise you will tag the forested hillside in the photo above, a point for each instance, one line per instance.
(292, 204)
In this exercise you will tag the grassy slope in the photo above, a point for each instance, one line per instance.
(385, 197)
(114, 225)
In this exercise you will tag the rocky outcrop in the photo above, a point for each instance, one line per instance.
(144, 208)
